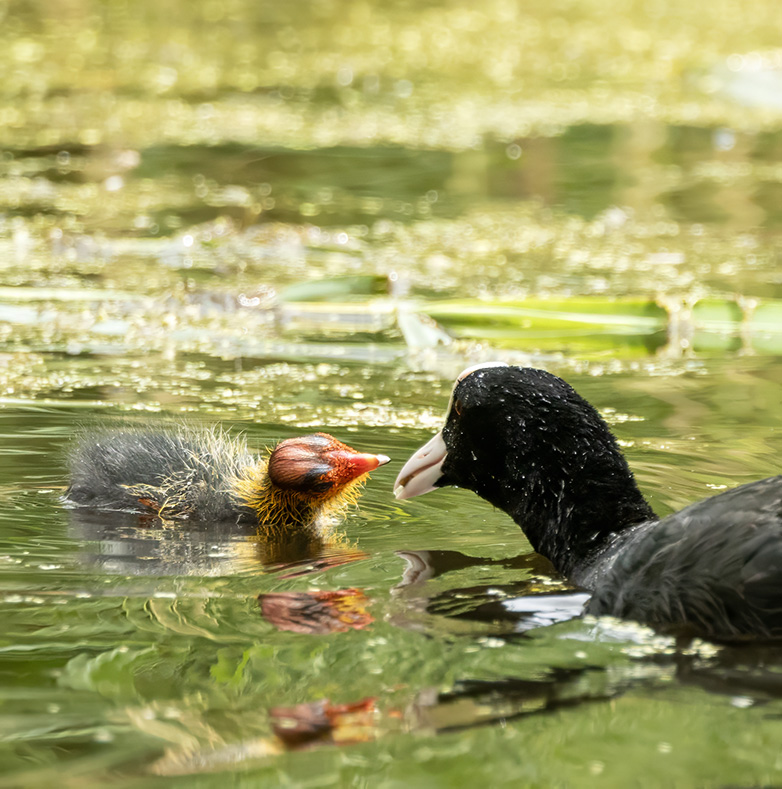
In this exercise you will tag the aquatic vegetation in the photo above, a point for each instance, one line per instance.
(311, 216)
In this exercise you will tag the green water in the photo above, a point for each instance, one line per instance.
(171, 177)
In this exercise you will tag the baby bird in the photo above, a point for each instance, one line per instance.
(189, 473)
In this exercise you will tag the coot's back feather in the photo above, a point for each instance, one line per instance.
(715, 566)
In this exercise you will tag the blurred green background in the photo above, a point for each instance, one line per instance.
(298, 216)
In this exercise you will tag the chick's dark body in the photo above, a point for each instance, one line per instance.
(185, 471)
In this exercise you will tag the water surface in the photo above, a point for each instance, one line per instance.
(227, 212)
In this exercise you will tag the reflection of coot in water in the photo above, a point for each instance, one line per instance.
(203, 475)
(510, 595)
(528, 443)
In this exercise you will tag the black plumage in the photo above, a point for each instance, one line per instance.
(525, 441)
(715, 567)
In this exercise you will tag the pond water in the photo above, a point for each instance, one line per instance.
(244, 213)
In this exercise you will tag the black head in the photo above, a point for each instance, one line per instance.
(526, 441)
(509, 428)
(505, 427)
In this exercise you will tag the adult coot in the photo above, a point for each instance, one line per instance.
(525, 441)
(205, 475)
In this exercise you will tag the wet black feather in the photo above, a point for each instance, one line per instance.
(528, 443)
(713, 567)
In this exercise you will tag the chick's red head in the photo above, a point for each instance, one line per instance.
(318, 466)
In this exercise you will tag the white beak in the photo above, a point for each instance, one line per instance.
(419, 474)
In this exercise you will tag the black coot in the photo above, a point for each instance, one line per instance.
(525, 441)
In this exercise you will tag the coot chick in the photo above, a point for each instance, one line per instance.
(525, 441)
(205, 475)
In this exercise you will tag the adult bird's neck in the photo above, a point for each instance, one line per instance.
(571, 516)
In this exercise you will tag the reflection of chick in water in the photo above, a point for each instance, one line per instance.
(286, 503)
(320, 611)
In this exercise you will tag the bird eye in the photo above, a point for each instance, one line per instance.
(320, 487)
(457, 407)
